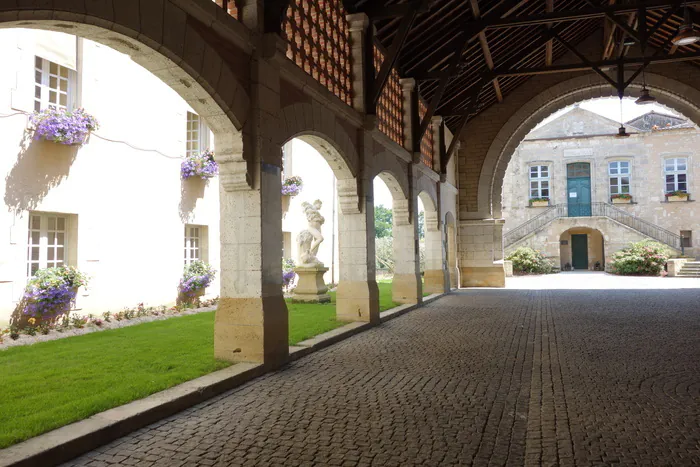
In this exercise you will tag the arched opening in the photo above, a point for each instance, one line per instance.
(433, 270)
(61, 199)
(582, 249)
(451, 249)
(577, 191)
(395, 248)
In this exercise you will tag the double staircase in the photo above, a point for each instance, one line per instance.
(600, 210)
(690, 269)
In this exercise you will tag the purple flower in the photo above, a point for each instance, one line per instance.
(202, 165)
(63, 126)
(292, 186)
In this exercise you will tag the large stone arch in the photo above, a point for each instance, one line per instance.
(668, 91)
(394, 173)
(160, 37)
(318, 126)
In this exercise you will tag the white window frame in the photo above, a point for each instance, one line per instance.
(193, 243)
(675, 172)
(46, 241)
(196, 136)
(49, 80)
(615, 171)
(539, 179)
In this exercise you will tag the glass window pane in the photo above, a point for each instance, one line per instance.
(533, 185)
(35, 237)
(52, 97)
(680, 164)
(49, 254)
(544, 184)
(37, 62)
(670, 164)
(61, 223)
(670, 187)
(52, 223)
(682, 186)
(626, 189)
(59, 254)
(681, 177)
(545, 192)
(61, 239)
(533, 194)
(34, 269)
(64, 85)
(625, 167)
(36, 222)
(35, 253)
(52, 238)
(63, 100)
(53, 68)
(613, 190)
(53, 82)
(625, 180)
(64, 72)
(670, 178)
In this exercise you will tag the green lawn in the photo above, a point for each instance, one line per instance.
(51, 384)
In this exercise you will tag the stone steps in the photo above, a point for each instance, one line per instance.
(690, 269)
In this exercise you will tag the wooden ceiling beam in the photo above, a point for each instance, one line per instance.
(549, 48)
(485, 49)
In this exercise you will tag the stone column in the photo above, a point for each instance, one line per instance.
(410, 116)
(434, 276)
(251, 319)
(436, 123)
(359, 22)
(357, 296)
(406, 286)
(481, 253)
(451, 233)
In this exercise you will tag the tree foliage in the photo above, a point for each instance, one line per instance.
(383, 218)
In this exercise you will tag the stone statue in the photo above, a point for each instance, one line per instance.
(310, 239)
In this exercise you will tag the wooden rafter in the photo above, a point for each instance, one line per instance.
(485, 49)
(549, 48)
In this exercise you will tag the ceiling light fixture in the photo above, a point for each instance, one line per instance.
(687, 34)
(645, 98)
(622, 131)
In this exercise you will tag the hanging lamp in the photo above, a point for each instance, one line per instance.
(645, 97)
(687, 34)
(622, 131)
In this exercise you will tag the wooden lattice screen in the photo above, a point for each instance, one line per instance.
(230, 6)
(426, 143)
(390, 105)
(318, 38)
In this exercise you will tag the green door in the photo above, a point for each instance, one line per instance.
(579, 189)
(579, 251)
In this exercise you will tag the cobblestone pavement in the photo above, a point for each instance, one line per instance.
(481, 377)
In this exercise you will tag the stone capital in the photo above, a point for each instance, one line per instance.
(436, 120)
(358, 22)
(408, 84)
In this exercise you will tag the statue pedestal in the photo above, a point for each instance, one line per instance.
(310, 287)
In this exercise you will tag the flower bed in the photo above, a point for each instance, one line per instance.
(201, 165)
(63, 126)
(80, 324)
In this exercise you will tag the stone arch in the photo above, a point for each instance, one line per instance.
(152, 33)
(394, 173)
(670, 92)
(318, 126)
(596, 253)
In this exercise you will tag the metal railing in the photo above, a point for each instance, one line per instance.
(597, 209)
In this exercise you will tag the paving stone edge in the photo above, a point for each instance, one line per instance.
(71, 441)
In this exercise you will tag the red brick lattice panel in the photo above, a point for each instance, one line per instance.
(390, 105)
(230, 7)
(427, 142)
(318, 38)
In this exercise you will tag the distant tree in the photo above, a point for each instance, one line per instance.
(421, 225)
(384, 251)
(382, 221)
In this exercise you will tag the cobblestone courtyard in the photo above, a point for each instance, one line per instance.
(482, 377)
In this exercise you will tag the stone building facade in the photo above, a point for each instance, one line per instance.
(576, 165)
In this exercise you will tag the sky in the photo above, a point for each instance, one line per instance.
(608, 107)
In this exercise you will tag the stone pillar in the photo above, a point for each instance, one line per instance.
(481, 253)
(410, 116)
(436, 123)
(434, 276)
(357, 297)
(406, 286)
(251, 319)
(452, 255)
(359, 22)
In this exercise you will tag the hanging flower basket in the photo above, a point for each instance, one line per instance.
(199, 166)
(290, 188)
(63, 126)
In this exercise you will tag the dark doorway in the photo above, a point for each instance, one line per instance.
(579, 251)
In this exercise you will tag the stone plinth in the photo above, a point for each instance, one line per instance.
(310, 287)
(434, 281)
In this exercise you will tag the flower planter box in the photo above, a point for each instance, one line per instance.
(675, 199)
(286, 200)
(539, 204)
(622, 200)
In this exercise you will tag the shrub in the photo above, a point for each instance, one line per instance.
(646, 258)
(50, 292)
(292, 186)
(199, 165)
(529, 261)
(63, 126)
